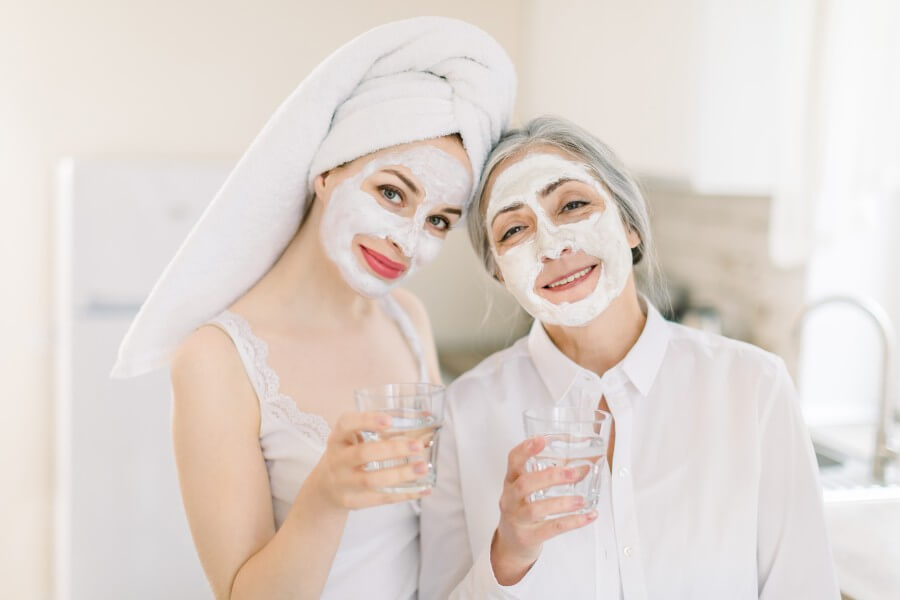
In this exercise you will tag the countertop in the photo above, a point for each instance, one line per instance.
(865, 540)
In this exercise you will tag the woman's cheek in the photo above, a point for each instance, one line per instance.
(428, 250)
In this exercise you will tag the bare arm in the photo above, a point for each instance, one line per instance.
(225, 485)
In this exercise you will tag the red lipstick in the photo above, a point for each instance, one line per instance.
(381, 264)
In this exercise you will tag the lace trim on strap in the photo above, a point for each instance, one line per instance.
(267, 383)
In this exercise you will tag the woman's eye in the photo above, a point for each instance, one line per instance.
(573, 205)
(391, 194)
(439, 222)
(511, 232)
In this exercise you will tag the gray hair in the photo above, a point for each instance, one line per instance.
(602, 163)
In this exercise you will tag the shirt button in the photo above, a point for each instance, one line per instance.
(627, 551)
(623, 472)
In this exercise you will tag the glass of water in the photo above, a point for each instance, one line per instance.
(577, 438)
(416, 411)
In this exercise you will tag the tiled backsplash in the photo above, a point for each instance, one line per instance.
(715, 247)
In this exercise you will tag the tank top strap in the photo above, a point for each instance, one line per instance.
(254, 353)
(252, 350)
(393, 309)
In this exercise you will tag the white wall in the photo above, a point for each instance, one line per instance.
(186, 78)
(628, 71)
(687, 90)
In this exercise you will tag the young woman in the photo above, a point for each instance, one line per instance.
(277, 307)
(710, 489)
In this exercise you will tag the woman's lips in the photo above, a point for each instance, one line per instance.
(381, 264)
(570, 280)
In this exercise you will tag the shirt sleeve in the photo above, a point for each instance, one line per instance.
(793, 554)
(480, 582)
(448, 570)
(446, 553)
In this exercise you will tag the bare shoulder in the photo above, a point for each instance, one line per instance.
(207, 349)
(207, 375)
(413, 307)
(411, 304)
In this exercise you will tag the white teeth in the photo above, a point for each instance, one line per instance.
(570, 278)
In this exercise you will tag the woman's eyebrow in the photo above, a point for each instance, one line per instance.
(412, 186)
(506, 209)
(452, 211)
(552, 186)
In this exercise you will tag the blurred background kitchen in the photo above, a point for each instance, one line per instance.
(765, 133)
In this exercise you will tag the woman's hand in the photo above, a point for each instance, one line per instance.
(341, 474)
(523, 525)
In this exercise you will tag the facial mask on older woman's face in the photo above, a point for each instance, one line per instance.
(352, 211)
(601, 235)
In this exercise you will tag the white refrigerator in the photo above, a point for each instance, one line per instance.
(120, 526)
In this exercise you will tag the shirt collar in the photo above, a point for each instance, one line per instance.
(639, 366)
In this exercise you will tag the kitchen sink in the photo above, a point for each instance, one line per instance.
(847, 478)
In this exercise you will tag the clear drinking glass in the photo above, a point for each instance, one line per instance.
(577, 437)
(416, 411)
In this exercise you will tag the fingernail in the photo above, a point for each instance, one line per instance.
(415, 446)
(591, 515)
(420, 468)
(578, 502)
(384, 420)
(425, 492)
(569, 473)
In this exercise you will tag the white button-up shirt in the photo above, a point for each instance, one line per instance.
(713, 492)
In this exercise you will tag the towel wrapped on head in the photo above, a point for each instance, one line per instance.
(401, 82)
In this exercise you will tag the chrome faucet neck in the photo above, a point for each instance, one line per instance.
(884, 450)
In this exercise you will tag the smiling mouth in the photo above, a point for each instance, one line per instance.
(571, 280)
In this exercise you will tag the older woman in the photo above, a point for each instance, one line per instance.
(710, 487)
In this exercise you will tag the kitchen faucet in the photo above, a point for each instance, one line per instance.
(885, 450)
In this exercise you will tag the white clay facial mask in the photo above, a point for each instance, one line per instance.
(351, 211)
(601, 235)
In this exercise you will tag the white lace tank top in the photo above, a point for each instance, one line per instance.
(378, 556)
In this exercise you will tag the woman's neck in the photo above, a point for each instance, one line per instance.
(604, 342)
(305, 286)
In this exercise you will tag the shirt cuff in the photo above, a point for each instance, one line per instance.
(485, 580)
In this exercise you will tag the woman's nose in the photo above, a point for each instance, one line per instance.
(547, 258)
(402, 249)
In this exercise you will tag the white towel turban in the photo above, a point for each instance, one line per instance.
(401, 82)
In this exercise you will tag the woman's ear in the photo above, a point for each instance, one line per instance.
(633, 238)
(497, 275)
(319, 183)
(637, 248)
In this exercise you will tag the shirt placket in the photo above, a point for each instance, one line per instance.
(606, 573)
(621, 484)
(606, 581)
